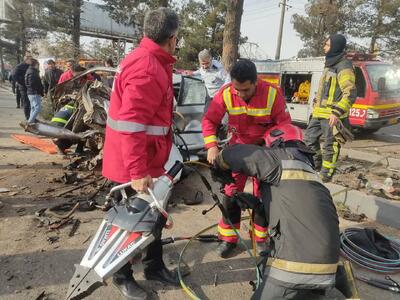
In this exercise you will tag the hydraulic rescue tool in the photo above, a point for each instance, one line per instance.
(125, 231)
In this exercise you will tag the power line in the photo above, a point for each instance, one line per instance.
(260, 11)
(262, 14)
(261, 18)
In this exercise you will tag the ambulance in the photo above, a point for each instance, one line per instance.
(378, 89)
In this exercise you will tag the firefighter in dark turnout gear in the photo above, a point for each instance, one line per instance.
(303, 219)
(60, 119)
(336, 94)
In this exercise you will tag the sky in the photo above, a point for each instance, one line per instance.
(260, 23)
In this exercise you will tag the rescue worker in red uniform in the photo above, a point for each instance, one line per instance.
(304, 223)
(253, 106)
(138, 133)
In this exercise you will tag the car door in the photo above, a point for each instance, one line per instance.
(190, 104)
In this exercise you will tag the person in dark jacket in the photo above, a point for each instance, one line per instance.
(19, 77)
(15, 89)
(109, 77)
(61, 119)
(34, 89)
(304, 223)
(51, 76)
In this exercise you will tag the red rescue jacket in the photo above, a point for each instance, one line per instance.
(248, 122)
(138, 136)
(67, 75)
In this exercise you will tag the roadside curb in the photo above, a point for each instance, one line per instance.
(371, 157)
(382, 210)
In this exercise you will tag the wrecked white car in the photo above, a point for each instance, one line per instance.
(91, 100)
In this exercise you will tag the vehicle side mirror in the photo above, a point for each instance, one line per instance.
(381, 84)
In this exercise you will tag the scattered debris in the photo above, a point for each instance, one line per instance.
(78, 187)
(53, 239)
(345, 212)
(215, 279)
(198, 198)
(60, 223)
(88, 238)
(394, 195)
(74, 228)
(71, 177)
(344, 169)
(41, 296)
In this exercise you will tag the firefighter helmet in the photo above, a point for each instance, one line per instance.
(286, 132)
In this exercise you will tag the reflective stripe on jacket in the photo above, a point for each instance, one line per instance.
(337, 91)
(247, 121)
(138, 137)
(302, 217)
(63, 115)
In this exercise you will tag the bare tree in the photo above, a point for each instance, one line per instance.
(233, 19)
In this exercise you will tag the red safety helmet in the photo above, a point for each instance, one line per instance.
(287, 132)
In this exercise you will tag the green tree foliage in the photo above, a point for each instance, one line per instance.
(323, 17)
(374, 21)
(202, 27)
(63, 16)
(100, 49)
(379, 22)
(131, 12)
(26, 17)
(202, 24)
(33, 19)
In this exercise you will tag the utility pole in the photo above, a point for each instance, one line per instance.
(279, 42)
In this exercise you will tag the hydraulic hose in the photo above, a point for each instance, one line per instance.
(187, 290)
(366, 259)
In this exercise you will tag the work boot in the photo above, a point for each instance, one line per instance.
(225, 249)
(325, 178)
(162, 275)
(127, 285)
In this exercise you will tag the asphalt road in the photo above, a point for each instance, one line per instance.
(385, 141)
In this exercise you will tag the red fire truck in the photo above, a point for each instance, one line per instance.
(378, 88)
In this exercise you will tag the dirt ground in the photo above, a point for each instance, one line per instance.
(31, 264)
(369, 177)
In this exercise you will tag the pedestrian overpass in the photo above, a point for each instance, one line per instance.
(95, 22)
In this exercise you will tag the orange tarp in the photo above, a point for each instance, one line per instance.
(45, 145)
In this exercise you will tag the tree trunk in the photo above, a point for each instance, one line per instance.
(3, 71)
(230, 52)
(22, 32)
(377, 27)
(76, 34)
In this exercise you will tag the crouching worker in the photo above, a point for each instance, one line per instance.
(60, 119)
(303, 219)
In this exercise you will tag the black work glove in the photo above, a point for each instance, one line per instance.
(221, 176)
(248, 201)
